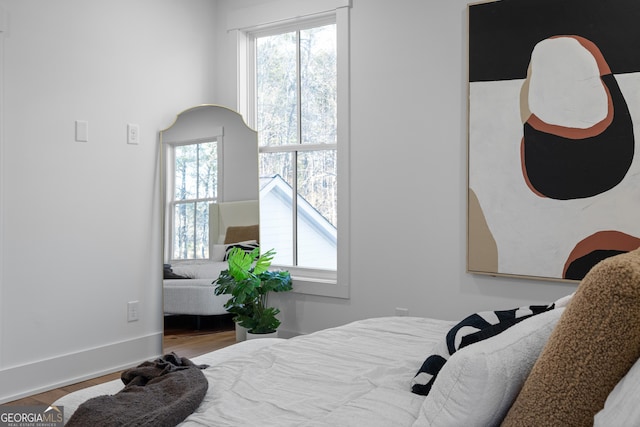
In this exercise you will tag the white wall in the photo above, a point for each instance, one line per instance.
(81, 221)
(408, 172)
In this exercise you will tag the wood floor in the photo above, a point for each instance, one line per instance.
(180, 336)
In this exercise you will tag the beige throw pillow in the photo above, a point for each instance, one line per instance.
(242, 233)
(594, 344)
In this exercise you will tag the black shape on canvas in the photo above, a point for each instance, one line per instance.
(581, 266)
(564, 169)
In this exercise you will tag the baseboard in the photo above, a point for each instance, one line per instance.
(25, 380)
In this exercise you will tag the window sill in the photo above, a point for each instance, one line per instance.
(319, 286)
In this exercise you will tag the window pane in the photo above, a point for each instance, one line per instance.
(276, 209)
(317, 209)
(191, 238)
(183, 231)
(196, 180)
(202, 231)
(207, 170)
(277, 91)
(196, 171)
(318, 91)
(298, 188)
(186, 172)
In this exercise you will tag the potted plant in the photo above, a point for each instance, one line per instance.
(249, 281)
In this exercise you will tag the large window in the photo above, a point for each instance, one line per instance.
(195, 184)
(293, 88)
(296, 119)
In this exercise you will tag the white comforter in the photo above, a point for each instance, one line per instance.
(355, 375)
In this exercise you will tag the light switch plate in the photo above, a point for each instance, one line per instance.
(82, 131)
(132, 311)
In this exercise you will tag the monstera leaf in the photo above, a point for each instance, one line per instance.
(249, 281)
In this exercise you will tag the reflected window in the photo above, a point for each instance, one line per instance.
(296, 118)
(195, 186)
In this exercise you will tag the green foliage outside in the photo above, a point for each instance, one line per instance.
(296, 105)
(195, 185)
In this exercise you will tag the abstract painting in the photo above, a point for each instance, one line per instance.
(554, 119)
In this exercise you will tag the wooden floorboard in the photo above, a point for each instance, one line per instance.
(180, 337)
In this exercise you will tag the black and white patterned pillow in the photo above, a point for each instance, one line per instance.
(473, 328)
(245, 246)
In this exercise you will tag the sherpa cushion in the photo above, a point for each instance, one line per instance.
(594, 344)
(480, 382)
(242, 233)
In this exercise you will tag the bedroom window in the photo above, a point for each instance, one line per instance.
(195, 184)
(293, 88)
(296, 91)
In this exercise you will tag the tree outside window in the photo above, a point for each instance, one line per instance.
(194, 188)
(296, 114)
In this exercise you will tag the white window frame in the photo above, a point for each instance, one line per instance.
(3, 26)
(170, 187)
(242, 24)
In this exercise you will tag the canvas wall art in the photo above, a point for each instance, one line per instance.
(554, 119)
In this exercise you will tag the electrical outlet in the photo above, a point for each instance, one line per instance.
(133, 134)
(132, 311)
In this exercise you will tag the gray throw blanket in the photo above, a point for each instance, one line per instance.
(159, 393)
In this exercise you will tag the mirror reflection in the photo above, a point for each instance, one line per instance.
(210, 170)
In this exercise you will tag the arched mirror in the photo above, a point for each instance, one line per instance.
(210, 203)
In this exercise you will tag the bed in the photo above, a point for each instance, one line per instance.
(550, 366)
(187, 285)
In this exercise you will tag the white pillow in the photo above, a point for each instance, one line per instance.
(621, 407)
(564, 301)
(478, 384)
(200, 269)
(220, 250)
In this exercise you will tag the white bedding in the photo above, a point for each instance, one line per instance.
(200, 269)
(355, 375)
(194, 296)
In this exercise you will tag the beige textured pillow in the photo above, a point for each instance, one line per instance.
(242, 233)
(594, 344)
